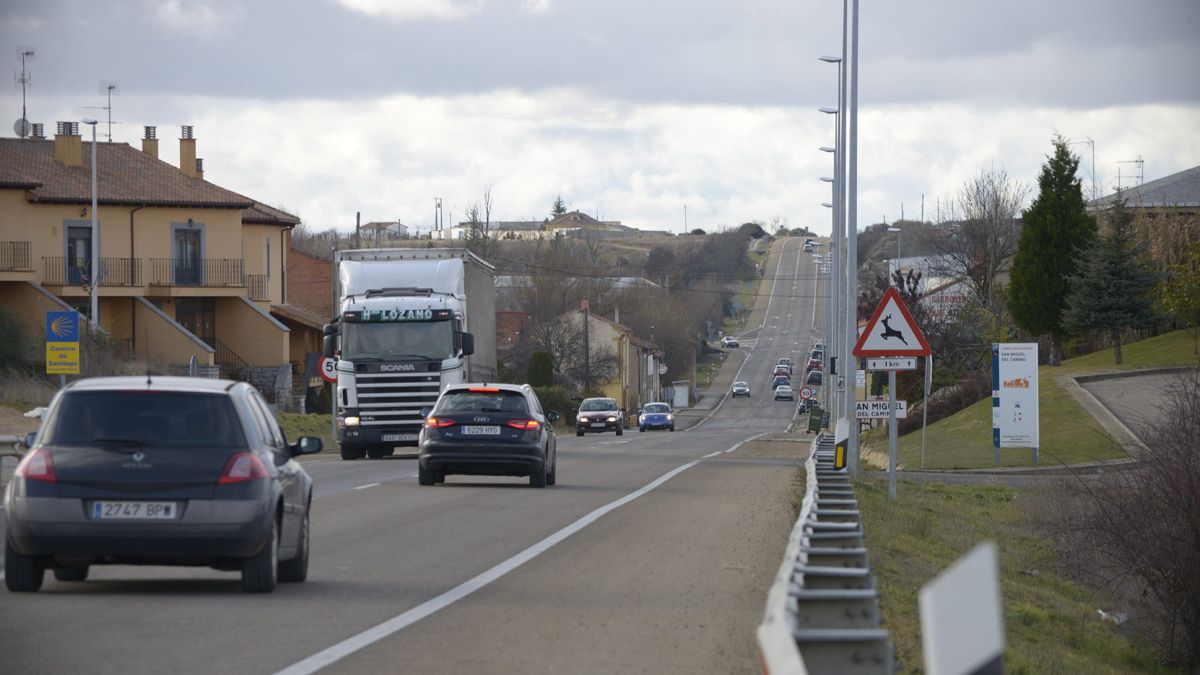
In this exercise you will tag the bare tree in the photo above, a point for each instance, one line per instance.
(984, 240)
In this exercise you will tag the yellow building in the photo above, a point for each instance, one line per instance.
(186, 268)
(636, 381)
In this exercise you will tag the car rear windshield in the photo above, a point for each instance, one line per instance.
(598, 404)
(657, 408)
(152, 418)
(500, 401)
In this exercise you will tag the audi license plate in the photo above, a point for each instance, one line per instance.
(134, 510)
(481, 431)
(396, 438)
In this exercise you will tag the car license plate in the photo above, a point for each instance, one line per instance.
(395, 438)
(134, 510)
(597, 424)
(480, 431)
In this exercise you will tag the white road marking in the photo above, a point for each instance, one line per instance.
(368, 485)
(401, 621)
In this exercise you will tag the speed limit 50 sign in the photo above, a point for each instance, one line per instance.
(329, 369)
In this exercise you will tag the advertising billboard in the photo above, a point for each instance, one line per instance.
(1015, 395)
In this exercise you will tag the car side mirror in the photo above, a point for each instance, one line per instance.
(30, 439)
(553, 416)
(308, 445)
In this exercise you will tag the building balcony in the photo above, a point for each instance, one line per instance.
(15, 257)
(204, 273)
(114, 272)
(258, 287)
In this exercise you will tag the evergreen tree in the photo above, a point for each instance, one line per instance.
(559, 207)
(1179, 294)
(541, 369)
(1113, 288)
(1055, 228)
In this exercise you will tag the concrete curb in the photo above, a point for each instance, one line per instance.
(1119, 374)
(1113, 426)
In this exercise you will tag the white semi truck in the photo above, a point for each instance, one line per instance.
(410, 322)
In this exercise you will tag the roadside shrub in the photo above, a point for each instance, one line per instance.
(944, 402)
(16, 349)
(541, 369)
(1138, 530)
(556, 398)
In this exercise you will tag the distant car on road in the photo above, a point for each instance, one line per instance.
(815, 364)
(730, 341)
(159, 471)
(784, 392)
(815, 378)
(597, 415)
(787, 361)
(819, 347)
(781, 380)
(656, 416)
(488, 430)
(739, 389)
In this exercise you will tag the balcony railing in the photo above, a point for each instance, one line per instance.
(258, 287)
(14, 256)
(113, 272)
(207, 272)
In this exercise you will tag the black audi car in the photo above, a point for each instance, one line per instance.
(489, 430)
(159, 471)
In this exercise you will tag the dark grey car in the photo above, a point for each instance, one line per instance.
(159, 471)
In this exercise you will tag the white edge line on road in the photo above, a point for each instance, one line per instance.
(401, 621)
(368, 485)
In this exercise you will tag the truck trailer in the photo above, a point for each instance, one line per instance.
(410, 322)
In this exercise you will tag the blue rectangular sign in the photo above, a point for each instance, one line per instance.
(62, 326)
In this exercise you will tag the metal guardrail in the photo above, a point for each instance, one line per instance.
(258, 287)
(113, 272)
(822, 613)
(208, 272)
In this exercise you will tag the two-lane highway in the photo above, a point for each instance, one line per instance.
(653, 553)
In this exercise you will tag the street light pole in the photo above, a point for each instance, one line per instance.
(852, 224)
(94, 319)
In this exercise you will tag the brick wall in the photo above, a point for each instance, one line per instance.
(309, 282)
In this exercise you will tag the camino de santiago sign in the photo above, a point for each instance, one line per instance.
(1015, 397)
(62, 343)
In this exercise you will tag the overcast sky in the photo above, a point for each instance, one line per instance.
(629, 109)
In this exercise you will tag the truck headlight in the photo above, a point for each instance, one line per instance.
(351, 421)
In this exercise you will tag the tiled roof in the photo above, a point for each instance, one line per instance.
(300, 315)
(1177, 189)
(126, 176)
(261, 214)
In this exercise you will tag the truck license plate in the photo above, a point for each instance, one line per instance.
(134, 510)
(396, 438)
(481, 431)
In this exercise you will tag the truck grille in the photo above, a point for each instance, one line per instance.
(394, 400)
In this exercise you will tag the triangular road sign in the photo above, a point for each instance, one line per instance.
(891, 331)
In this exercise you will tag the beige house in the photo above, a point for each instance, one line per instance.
(636, 382)
(186, 268)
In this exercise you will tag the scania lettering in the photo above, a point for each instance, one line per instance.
(410, 322)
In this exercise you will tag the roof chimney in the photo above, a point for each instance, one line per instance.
(187, 151)
(39, 133)
(68, 146)
(200, 168)
(150, 141)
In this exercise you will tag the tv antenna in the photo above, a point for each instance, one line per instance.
(22, 127)
(107, 87)
(1140, 168)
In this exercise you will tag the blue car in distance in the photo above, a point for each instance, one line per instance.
(656, 416)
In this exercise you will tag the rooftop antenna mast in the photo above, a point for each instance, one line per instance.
(1140, 170)
(24, 78)
(107, 87)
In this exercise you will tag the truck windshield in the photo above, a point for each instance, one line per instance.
(400, 341)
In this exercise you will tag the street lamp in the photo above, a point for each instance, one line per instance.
(94, 319)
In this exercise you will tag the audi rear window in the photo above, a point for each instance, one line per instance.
(501, 401)
(150, 418)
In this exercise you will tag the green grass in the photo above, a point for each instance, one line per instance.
(707, 369)
(1068, 433)
(295, 425)
(1050, 625)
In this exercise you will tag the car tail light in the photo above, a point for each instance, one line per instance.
(242, 467)
(438, 422)
(524, 424)
(37, 465)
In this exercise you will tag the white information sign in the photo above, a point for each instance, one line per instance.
(1015, 395)
(899, 363)
(865, 410)
(962, 625)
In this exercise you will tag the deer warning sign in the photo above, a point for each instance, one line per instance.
(891, 331)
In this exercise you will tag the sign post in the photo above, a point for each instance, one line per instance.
(62, 343)
(889, 337)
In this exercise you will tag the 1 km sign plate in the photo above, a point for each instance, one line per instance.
(905, 363)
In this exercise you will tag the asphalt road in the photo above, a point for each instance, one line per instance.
(652, 554)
